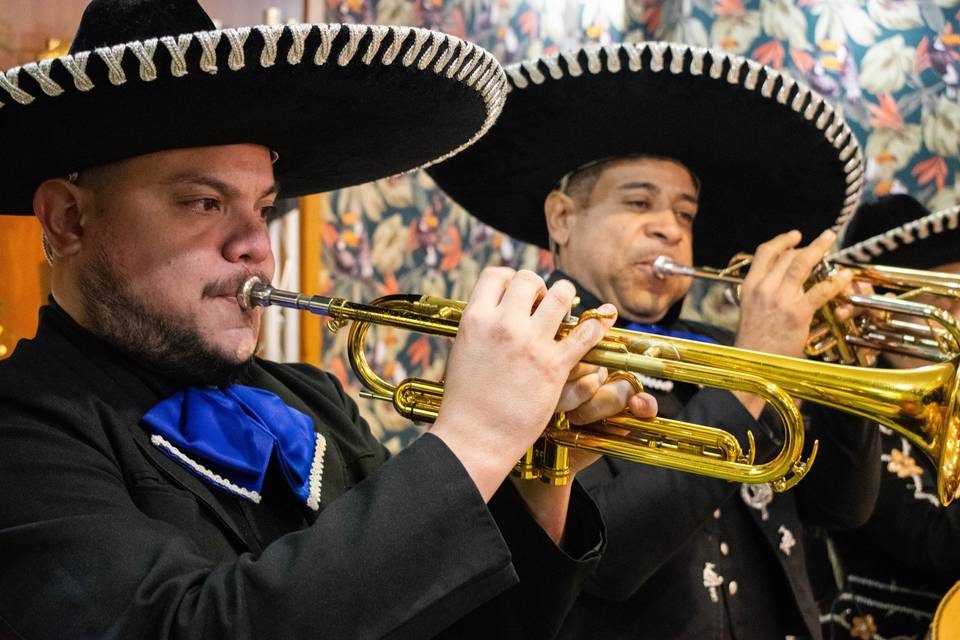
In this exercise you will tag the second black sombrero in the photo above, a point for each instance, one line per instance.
(770, 153)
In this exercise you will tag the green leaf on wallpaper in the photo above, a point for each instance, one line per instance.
(933, 16)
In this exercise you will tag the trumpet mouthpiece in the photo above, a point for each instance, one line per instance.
(245, 295)
(663, 267)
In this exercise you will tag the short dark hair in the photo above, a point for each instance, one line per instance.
(579, 183)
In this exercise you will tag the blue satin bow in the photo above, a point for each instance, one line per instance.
(228, 436)
(661, 331)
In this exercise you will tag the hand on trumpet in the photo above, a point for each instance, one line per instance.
(776, 306)
(507, 375)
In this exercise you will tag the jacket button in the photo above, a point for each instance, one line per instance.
(716, 514)
(732, 587)
(724, 549)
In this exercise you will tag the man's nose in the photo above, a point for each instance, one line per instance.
(664, 226)
(249, 240)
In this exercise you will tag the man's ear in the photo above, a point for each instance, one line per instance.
(56, 202)
(560, 211)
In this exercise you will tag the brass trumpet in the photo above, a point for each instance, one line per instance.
(936, 337)
(920, 402)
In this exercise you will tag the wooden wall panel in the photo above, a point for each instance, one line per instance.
(24, 278)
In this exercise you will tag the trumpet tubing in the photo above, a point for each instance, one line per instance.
(920, 403)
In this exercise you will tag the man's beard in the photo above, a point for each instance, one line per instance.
(166, 343)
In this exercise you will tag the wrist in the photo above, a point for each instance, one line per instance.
(547, 504)
(485, 462)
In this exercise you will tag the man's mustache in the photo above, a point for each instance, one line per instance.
(230, 285)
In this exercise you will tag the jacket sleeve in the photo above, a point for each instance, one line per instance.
(650, 512)
(841, 488)
(551, 577)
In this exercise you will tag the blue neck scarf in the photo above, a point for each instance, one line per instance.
(228, 437)
(673, 333)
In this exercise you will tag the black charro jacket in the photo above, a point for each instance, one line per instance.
(104, 536)
(690, 557)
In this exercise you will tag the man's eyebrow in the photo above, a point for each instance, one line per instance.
(639, 185)
(271, 190)
(215, 183)
(652, 187)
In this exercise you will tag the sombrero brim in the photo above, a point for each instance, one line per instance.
(340, 104)
(771, 154)
(925, 242)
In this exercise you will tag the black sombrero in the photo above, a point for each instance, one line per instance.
(771, 154)
(899, 231)
(340, 104)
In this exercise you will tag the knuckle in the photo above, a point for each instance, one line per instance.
(563, 291)
(497, 271)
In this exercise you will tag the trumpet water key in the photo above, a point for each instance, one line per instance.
(920, 402)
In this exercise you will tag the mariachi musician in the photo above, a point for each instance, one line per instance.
(887, 576)
(613, 156)
(159, 481)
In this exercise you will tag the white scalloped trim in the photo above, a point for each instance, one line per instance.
(40, 71)
(208, 44)
(659, 384)
(907, 233)
(775, 85)
(316, 472)
(76, 65)
(470, 64)
(11, 82)
(217, 479)
(144, 52)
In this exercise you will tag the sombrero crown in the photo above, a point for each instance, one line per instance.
(340, 104)
(770, 153)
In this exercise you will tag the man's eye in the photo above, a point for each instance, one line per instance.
(686, 216)
(204, 204)
(269, 213)
(639, 204)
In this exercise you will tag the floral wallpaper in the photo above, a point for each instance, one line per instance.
(892, 65)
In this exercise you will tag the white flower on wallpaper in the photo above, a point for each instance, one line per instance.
(395, 12)
(391, 241)
(365, 198)
(945, 198)
(841, 19)
(782, 19)
(396, 191)
(886, 65)
(892, 147)
(555, 19)
(678, 24)
(735, 31)
(602, 15)
(895, 14)
(941, 129)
